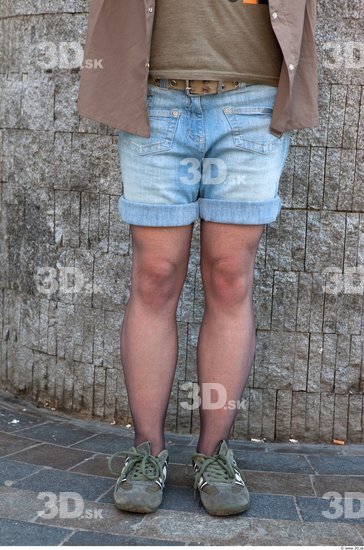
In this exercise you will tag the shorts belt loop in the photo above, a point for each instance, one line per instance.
(163, 82)
(219, 86)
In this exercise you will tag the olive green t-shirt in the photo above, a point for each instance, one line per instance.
(213, 40)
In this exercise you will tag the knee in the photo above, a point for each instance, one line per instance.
(157, 283)
(228, 283)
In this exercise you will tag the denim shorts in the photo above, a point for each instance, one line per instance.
(209, 156)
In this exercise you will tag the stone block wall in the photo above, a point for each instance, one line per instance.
(65, 256)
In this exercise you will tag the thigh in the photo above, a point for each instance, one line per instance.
(234, 245)
(161, 249)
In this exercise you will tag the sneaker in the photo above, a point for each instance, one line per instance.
(139, 487)
(221, 484)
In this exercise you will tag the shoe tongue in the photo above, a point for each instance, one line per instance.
(144, 448)
(221, 448)
(163, 455)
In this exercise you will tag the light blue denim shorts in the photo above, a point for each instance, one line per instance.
(209, 156)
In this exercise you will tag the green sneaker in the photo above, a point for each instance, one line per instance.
(221, 484)
(139, 487)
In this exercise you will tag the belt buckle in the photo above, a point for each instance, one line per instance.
(189, 93)
(188, 88)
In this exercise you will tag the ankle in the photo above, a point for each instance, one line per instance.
(209, 448)
(156, 445)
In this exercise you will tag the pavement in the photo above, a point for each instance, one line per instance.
(56, 489)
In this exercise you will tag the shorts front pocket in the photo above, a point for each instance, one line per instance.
(250, 127)
(163, 126)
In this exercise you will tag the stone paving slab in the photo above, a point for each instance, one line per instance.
(272, 507)
(181, 499)
(90, 487)
(88, 538)
(180, 454)
(177, 475)
(18, 533)
(105, 443)
(34, 507)
(279, 483)
(179, 439)
(11, 471)
(273, 462)
(360, 529)
(343, 465)
(18, 504)
(167, 524)
(353, 450)
(344, 510)
(298, 448)
(97, 466)
(56, 432)
(14, 404)
(338, 483)
(241, 530)
(10, 443)
(11, 421)
(52, 455)
(287, 448)
(48, 451)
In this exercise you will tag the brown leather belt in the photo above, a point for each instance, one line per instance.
(198, 87)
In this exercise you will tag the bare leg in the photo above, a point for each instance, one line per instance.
(148, 339)
(226, 343)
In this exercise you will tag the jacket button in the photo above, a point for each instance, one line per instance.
(291, 67)
(274, 15)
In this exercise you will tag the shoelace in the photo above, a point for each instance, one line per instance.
(220, 468)
(143, 466)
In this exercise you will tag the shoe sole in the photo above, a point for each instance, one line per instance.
(136, 509)
(227, 512)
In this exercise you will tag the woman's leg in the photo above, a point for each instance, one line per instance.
(226, 344)
(148, 340)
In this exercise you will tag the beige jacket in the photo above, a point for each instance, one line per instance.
(114, 72)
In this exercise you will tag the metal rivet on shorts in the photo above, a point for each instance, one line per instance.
(228, 110)
(175, 112)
